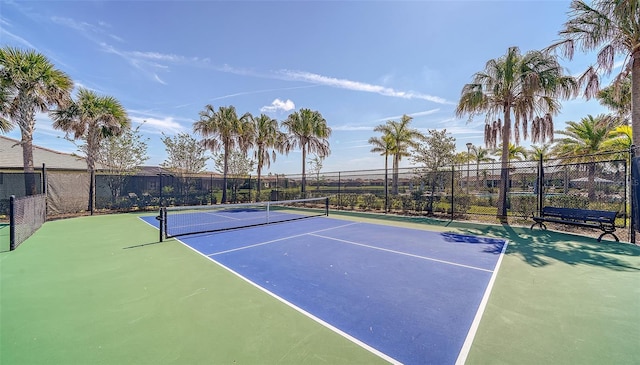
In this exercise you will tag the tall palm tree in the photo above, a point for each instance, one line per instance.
(402, 137)
(307, 130)
(91, 118)
(224, 130)
(267, 140)
(583, 141)
(384, 146)
(29, 83)
(525, 87)
(613, 28)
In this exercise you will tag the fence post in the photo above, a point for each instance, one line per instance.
(540, 185)
(12, 222)
(634, 186)
(45, 188)
(339, 197)
(453, 183)
(92, 186)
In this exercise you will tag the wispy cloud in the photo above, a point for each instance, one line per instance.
(141, 63)
(88, 30)
(279, 105)
(351, 128)
(156, 124)
(262, 91)
(358, 86)
(368, 126)
(4, 34)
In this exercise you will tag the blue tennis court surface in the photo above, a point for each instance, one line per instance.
(410, 295)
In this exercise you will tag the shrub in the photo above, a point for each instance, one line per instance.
(569, 201)
(350, 200)
(368, 201)
(523, 205)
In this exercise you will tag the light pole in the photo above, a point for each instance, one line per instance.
(469, 145)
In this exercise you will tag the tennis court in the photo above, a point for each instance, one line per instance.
(408, 295)
(103, 290)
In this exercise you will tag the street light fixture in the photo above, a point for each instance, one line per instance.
(469, 145)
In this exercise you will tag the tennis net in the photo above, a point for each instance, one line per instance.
(26, 215)
(180, 221)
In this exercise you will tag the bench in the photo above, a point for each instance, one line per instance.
(601, 219)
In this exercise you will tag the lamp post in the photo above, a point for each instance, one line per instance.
(469, 145)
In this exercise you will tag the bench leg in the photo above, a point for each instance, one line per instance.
(539, 224)
(611, 233)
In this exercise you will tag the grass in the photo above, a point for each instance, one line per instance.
(101, 290)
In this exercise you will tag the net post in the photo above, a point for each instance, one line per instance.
(268, 209)
(161, 222)
(12, 223)
(326, 206)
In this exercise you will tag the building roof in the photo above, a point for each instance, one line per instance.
(11, 157)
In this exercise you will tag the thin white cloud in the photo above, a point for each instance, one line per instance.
(4, 34)
(358, 86)
(279, 105)
(351, 128)
(158, 79)
(262, 91)
(88, 30)
(157, 125)
(368, 127)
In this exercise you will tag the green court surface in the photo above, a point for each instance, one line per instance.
(102, 290)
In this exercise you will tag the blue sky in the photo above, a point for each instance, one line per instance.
(358, 63)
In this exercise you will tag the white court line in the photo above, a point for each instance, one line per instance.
(402, 253)
(304, 312)
(466, 347)
(223, 216)
(279, 239)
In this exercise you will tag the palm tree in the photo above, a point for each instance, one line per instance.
(583, 141)
(613, 28)
(29, 83)
(384, 146)
(402, 138)
(620, 139)
(617, 98)
(267, 139)
(307, 130)
(223, 129)
(480, 154)
(523, 86)
(537, 153)
(91, 118)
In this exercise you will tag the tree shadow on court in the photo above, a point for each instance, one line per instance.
(539, 248)
(493, 245)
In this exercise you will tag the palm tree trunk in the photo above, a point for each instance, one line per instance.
(92, 148)
(635, 98)
(224, 174)
(396, 161)
(258, 187)
(27, 158)
(386, 182)
(504, 173)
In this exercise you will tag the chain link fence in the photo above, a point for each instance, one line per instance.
(454, 192)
